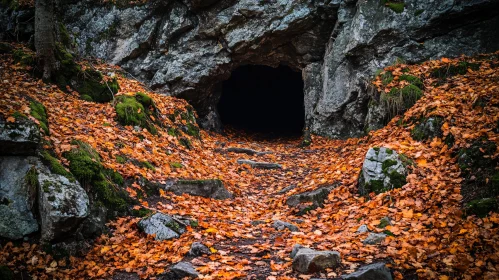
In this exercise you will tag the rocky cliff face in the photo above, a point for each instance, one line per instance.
(186, 48)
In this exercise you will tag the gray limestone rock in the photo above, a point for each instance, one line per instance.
(198, 249)
(280, 225)
(17, 196)
(374, 238)
(163, 226)
(21, 137)
(374, 271)
(310, 261)
(211, 188)
(362, 229)
(260, 165)
(184, 269)
(62, 203)
(383, 169)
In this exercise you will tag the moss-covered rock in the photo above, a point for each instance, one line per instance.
(413, 80)
(24, 58)
(85, 165)
(39, 112)
(479, 171)
(383, 170)
(138, 110)
(54, 165)
(482, 207)
(92, 84)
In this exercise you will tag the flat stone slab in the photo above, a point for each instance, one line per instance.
(375, 271)
(260, 165)
(211, 188)
(247, 151)
(184, 269)
(374, 238)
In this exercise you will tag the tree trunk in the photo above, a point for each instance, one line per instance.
(45, 37)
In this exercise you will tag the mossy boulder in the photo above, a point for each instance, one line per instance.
(105, 185)
(21, 137)
(138, 110)
(429, 128)
(89, 83)
(479, 171)
(383, 170)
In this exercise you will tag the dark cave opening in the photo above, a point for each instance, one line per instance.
(262, 99)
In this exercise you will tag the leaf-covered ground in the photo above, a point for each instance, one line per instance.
(429, 237)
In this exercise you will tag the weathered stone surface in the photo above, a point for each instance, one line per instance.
(286, 189)
(260, 165)
(383, 169)
(163, 226)
(309, 261)
(375, 271)
(62, 203)
(317, 197)
(295, 250)
(187, 48)
(211, 188)
(362, 229)
(247, 151)
(17, 196)
(18, 138)
(374, 238)
(184, 269)
(198, 249)
(280, 225)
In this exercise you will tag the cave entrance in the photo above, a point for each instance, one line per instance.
(262, 99)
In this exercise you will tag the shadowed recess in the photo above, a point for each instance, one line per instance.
(263, 99)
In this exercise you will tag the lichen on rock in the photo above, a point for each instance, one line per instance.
(383, 170)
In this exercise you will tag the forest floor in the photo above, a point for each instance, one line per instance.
(429, 235)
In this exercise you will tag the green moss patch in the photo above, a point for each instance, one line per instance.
(478, 169)
(176, 165)
(451, 70)
(482, 207)
(396, 6)
(23, 58)
(413, 80)
(55, 166)
(85, 164)
(136, 111)
(39, 112)
(400, 100)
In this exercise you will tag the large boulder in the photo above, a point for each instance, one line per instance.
(309, 261)
(374, 271)
(163, 226)
(18, 187)
(63, 204)
(20, 137)
(211, 188)
(383, 169)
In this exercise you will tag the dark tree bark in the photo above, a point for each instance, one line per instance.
(45, 37)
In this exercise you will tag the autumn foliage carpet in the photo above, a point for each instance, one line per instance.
(430, 235)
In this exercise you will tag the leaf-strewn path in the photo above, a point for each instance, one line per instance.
(430, 235)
